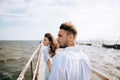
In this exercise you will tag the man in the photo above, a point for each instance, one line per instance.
(70, 63)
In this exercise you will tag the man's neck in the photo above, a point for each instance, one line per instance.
(71, 44)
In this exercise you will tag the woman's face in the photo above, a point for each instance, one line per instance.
(46, 42)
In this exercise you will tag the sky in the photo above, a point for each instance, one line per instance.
(31, 19)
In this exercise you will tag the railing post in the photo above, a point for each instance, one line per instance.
(31, 67)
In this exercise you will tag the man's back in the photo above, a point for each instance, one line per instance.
(70, 64)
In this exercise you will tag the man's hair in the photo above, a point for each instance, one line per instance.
(69, 27)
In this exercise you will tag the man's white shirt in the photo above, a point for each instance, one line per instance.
(70, 64)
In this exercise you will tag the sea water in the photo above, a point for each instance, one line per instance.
(15, 54)
(105, 60)
(13, 57)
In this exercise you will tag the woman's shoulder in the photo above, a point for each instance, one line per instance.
(45, 48)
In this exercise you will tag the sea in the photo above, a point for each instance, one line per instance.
(15, 54)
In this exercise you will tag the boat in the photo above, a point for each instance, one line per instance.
(114, 46)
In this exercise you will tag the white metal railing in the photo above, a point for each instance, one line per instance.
(34, 72)
(99, 74)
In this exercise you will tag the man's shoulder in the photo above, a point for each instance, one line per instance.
(66, 53)
(60, 54)
(60, 57)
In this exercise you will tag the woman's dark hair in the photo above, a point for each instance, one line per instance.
(53, 44)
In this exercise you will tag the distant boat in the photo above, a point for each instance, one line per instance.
(114, 46)
(89, 44)
(117, 46)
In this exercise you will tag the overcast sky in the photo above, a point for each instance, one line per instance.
(31, 19)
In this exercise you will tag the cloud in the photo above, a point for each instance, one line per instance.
(10, 10)
(8, 5)
(38, 17)
(65, 3)
(31, 11)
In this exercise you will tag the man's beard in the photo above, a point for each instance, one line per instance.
(63, 46)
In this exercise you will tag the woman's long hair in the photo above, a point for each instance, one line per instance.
(53, 44)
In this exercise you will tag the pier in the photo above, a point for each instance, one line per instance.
(36, 66)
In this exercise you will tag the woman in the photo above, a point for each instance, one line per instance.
(49, 50)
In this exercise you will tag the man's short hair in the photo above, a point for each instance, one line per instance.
(69, 27)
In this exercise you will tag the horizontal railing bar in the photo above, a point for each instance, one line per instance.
(37, 66)
(21, 76)
(99, 74)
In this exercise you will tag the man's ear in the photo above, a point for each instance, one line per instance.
(70, 37)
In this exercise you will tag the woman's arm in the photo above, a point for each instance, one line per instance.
(49, 65)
